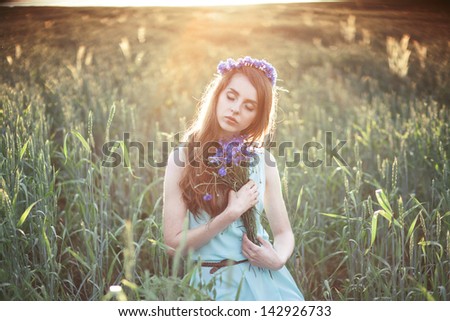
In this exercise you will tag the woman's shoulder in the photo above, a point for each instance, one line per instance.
(268, 158)
(270, 165)
(177, 157)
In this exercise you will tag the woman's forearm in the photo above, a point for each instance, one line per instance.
(284, 245)
(192, 239)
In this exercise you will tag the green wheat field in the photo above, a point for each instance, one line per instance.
(73, 79)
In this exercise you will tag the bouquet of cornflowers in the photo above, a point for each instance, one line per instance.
(230, 166)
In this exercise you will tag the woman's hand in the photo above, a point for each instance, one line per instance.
(263, 256)
(239, 202)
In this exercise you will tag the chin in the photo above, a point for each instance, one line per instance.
(226, 130)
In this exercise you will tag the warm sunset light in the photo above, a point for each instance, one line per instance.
(143, 3)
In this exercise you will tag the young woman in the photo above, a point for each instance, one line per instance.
(239, 102)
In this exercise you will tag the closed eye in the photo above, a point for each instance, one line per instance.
(231, 97)
(250, 107)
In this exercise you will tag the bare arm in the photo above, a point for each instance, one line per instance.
(277, 214)
(175, 210)
(268, 256)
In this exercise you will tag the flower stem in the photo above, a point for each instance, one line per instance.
(249, 220)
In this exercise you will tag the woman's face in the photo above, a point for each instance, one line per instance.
(237, 106)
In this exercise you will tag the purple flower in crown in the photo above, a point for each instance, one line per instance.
(222, 68)
(225, 66)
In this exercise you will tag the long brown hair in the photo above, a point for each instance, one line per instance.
(205, 128)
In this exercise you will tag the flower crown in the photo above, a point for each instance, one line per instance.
(225, 66)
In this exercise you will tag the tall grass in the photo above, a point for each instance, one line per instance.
(377, 229)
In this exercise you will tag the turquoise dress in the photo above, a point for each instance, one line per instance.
(241, 281)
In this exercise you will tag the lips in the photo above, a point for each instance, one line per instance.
(231, 119)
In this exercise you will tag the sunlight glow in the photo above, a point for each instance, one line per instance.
(151, 3)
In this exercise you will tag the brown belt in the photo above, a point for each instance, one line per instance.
(217, 265)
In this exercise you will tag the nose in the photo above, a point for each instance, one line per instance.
(234, 108)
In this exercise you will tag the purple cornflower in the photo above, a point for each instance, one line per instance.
(237, 160)
(207, 197)
(222, 171)
(225, 66)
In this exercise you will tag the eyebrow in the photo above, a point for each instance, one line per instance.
(248, 100)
